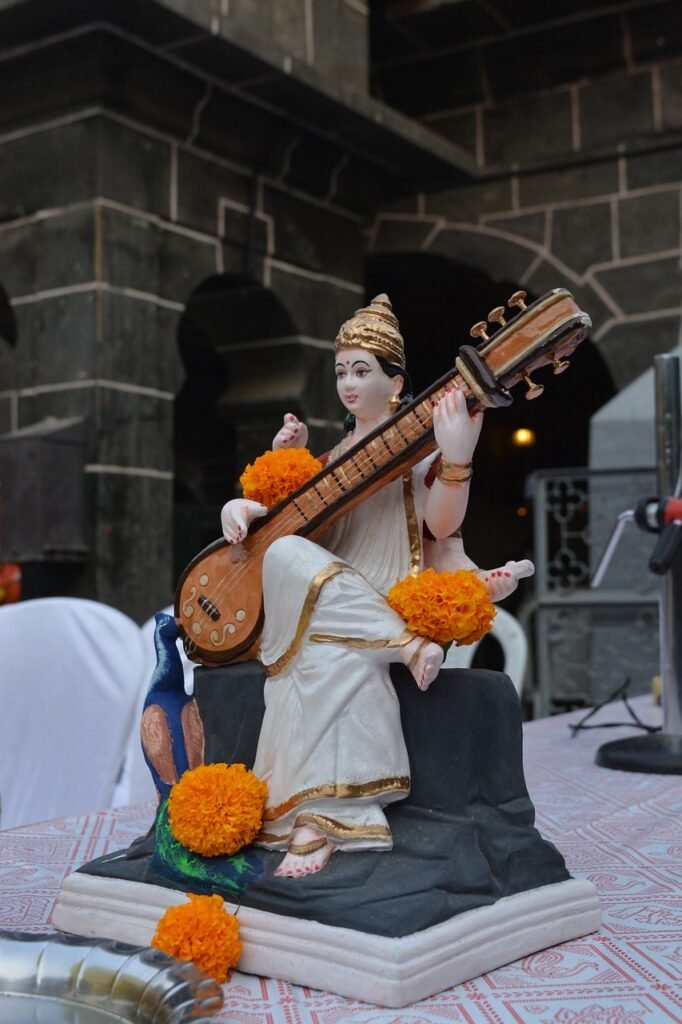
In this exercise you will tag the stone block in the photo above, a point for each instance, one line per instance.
(576, 182)
(132, 326)
(130, 248)
(525, 225)
(125, 428)
(63, 404)
(615, 109)
(341, 43)
(317, 307)
(132, 542)
(56, 342)
(133, 167)
(469, 201)
(649, 223)
(670, 79)
(281, 26)
(644, 287)
(661, 167)
(629, 349)
(48, 169)
(581, 235)
(201, 184)
(141, 254)
(134, 430)
(39, 82)
(533, 128)
(459, 128)
(96, 156)
(51, 252)
(315, 237)
(395, 235)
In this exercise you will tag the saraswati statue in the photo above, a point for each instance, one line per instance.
(331, 747)
(365, 745)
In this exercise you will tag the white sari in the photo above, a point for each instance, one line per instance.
(331, 747)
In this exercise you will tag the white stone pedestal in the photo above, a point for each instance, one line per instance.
(374, 968)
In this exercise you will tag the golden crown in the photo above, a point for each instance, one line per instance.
(376, 329)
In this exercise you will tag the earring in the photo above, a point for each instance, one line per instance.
(394, 403)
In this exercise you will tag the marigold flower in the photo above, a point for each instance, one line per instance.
(274, 475)
(215, 809)
(445, 607)
(201, 931)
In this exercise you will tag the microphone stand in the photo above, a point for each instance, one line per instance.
(659, 752)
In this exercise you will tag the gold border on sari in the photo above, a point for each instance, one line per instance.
(316, 584)
(331, 827)
(413, 531)
(402, 640)
(339, 791)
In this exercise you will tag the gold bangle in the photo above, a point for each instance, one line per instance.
(444, 464)
(451, 481)
(454, 472)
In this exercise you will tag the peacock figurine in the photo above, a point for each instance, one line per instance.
(171, 730)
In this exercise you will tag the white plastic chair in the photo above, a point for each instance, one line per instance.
(70, 677)
(511, 638)
(136, 783)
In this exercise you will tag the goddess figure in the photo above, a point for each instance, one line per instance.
(331, 747)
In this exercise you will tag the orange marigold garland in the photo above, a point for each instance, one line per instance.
(444, 606)
(201, 931)
(216, 809)
(274, 475)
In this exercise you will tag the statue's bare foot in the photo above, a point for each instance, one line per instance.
(309, 851)
(424, 659)
(502, 582)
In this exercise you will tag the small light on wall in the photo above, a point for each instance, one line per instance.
(522, 511)
(523, 437)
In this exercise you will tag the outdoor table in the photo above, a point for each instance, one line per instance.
(620, 830)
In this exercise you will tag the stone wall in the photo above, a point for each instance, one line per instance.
(581, 181)
(110, 225)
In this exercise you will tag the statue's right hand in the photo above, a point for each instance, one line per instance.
(236, 517)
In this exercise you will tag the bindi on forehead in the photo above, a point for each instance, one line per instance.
(348, 362)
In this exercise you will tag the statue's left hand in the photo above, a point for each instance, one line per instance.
(502, 582)
(456, 431)
(292, 434)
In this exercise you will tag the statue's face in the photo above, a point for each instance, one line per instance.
(363, 387)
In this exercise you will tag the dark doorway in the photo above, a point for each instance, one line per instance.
(223, 314)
